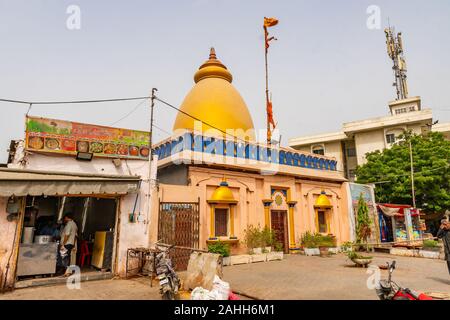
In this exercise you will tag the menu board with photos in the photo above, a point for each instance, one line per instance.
(66, 137)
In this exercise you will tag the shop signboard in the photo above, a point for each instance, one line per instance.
(66, 137)
(368, 194)
(366, 190)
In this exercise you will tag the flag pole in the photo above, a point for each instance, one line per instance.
(269, 133)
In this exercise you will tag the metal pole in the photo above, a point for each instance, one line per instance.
(150, 155)
(150, 141)
(412, 173)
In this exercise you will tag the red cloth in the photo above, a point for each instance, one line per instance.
(232, 296)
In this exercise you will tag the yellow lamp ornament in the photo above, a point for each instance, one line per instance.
(323, 201)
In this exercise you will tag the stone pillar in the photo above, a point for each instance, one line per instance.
(291, 205)
(232, 222)
(267, 203)
(212, 234)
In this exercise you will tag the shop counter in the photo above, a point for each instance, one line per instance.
(36, 259)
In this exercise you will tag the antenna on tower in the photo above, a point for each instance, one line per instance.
(394, 44)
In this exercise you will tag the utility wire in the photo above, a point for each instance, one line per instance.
(162, 130)
(72, 101)
(30, 103)
(129, 113)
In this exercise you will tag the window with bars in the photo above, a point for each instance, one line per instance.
(351, 152)
(322, 219)
(390, 138)
(318, 149)
(221, 222)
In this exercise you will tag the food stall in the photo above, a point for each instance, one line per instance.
(93, 216)
(400, 224)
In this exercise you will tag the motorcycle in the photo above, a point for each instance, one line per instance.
(389, 290)
(169, 282)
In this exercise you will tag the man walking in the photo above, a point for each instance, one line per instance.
(444, 234)
(67, 242)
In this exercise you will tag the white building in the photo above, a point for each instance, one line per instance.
(351, 144)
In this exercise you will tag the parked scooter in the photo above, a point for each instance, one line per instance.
(389, 290)
(168, 280)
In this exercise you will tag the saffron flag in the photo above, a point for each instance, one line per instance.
(270, 113)
(270, 22)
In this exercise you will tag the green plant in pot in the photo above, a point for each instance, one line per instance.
(326, 242)
(267, 239)
(220, 248)
(278, 247)
(253, 238)
(359, 259)
(309, 240)
(347, 246)
(310, 243)
(431, 245)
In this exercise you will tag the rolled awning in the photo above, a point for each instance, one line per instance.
(15, 182)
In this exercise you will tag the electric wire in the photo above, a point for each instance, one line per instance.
(144, 98)
(162, 130)
(129, 113)
(72, 101)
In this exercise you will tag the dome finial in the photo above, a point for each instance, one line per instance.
(212, 53)
(213, 68)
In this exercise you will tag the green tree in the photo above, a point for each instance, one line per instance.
(363, 221)
(391, 171)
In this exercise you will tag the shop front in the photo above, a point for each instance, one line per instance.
(34, 204)
(400, 224)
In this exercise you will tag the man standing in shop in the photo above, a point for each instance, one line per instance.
(444, 234)
(67, 242)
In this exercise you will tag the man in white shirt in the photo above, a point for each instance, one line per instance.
(68, 241)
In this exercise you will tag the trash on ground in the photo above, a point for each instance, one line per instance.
(201, 270)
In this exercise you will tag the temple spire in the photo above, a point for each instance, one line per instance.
(212, 54)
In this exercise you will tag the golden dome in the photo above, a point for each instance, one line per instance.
(222, 194)
(215, 101)
(323, 201)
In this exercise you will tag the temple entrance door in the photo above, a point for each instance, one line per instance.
(279, 226)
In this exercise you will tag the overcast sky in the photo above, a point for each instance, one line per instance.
(327, 66)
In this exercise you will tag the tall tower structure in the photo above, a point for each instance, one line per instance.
(394, 45)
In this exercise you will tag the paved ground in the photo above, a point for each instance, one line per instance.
(302, 277)
(133, 289)
(296, 277)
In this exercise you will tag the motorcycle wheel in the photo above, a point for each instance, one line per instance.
(168, 296)
(400, 298)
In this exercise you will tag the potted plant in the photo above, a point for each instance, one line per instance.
(252, 239)
(221, 248)
(358, 259)
(277, 252)
(326, 242)
(431, 245)
(309, 241)
(278, 247)
(267, 239)
(347, 246)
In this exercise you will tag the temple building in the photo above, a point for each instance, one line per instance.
(215, 180)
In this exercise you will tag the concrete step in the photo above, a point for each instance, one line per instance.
(88, 276)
